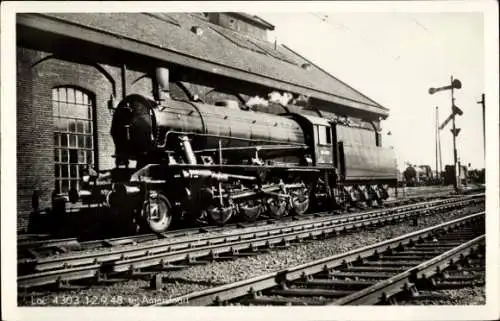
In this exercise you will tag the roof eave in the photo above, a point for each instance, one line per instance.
(77, 31)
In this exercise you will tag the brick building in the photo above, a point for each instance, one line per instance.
(72, 70)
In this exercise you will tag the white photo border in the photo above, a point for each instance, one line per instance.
(10, 311)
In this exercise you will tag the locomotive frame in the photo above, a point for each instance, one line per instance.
(208, 163)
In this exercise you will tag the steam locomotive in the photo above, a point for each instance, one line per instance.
(183, 159)
(419, 175)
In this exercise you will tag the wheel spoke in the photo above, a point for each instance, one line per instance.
(157, 213)
(250, 211)
(220, 215)
(277, 208)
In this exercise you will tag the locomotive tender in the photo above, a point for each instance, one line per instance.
(212, 162)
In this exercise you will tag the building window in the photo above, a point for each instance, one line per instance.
(73, 112)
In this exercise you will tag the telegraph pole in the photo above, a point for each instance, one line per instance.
(439, 149)
(454, 133)
(436, 131)
(439, 158)
(482, 102)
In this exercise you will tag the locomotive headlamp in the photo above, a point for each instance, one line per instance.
(88, 174)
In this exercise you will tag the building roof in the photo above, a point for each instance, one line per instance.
(217, 50)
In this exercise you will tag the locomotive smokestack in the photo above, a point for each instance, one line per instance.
(162, 83)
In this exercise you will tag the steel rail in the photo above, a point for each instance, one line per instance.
(403, 281)
(267, 241)
(168, 245)
(166, 253)
(34, 247)
(227, 292)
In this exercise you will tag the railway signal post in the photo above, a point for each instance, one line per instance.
(482, 102)
(454, 84)
(439, 165)
(455, 134)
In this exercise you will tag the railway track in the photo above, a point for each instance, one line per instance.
(378, 273)
(163, 254)
(41, 245)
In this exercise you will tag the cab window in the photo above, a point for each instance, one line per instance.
(324, 135)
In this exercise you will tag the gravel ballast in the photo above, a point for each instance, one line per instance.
(198, 277)
(474, 295)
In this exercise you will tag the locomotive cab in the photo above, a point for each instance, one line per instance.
(319, 136)
(323, 143)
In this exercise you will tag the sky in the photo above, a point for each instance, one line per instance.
(394, 58)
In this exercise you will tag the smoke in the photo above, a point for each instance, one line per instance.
(273, 97)
(277, 98)
(257, 101)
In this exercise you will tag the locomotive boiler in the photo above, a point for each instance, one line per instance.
(183, 159)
